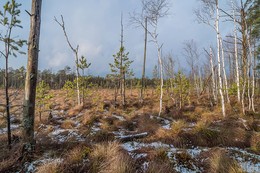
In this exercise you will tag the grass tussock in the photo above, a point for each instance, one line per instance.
(146, 124)
(219, 162)
(51, 167)
(159, 162)
(67, 124)
(75, 110)
(102, 136)
(255, 142)
(109, 158)
(74, 160)
(89, 119)
(177, 127)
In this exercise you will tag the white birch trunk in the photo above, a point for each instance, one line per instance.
(161, 75)
(236, 53)
(213, 77)
(224, 70)
(219, 62)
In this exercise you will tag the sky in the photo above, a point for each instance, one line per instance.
(94, 25)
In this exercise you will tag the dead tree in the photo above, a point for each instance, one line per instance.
(75, 51)
(152, 11)
(31, 77)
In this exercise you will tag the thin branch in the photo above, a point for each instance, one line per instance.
(62, 25)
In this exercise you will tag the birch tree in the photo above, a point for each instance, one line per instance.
(31, 77)
(236, 51)
(209, 14)
(152, 11)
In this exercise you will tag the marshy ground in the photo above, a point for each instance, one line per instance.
(99, 137)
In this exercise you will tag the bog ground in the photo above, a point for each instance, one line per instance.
(99, 137)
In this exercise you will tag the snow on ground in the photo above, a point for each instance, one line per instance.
(64, 135)
(166, 124)
(95, 128)
(13, 127)
(248, 161)
(32, 167)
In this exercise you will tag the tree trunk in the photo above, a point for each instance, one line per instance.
(219, 63)
(31, 77)
(122, 70)
(224, 71)
(161, 75)
(213, 77)
(7, 101)
(77, 74)
(143, 74)
(244, 55)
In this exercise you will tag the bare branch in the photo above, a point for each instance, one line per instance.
(62, 25)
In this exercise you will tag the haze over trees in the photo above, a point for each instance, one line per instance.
(67, 120)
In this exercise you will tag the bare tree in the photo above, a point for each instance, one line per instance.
(75, 51)
(191, 54)
(31, 77)
(152, 11)
(209, 14)
(236, 52)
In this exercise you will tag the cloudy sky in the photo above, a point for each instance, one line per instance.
(94, 25)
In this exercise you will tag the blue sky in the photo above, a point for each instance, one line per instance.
(94, 25)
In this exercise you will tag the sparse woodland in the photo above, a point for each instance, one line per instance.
(204, 117)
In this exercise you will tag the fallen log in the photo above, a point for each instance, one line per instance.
(127, 138)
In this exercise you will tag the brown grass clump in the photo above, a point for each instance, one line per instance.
(159, 162)
(109, 158)
(75, 111)
(88, 119)
(73, 161)
(102, 136)
(67, 124)
(146, 124)
(255, 142)
(51, 167)
(219, 162)
(177, 127)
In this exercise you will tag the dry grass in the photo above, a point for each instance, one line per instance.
(177, 127)
(159, 162)
(67, 124)
(146, 124)
(51, 167)
(75, 110)
(89, 119)
(73, 160)
(102, 136)
(109, 158)
(255, 142)
(220, 163)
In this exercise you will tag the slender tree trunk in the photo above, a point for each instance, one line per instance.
(77, 74)
(253, 83)
(122, 70)
(224, 70)
(75, 51)
(143, 74)
(213, 77)
(219, 62)
(7, 101)
(244, 55)
(31, 77)
(161, 75)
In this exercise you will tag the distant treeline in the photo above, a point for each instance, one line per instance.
(56, 80)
